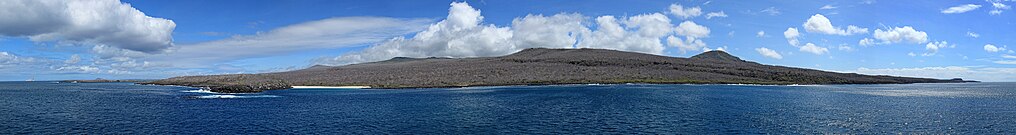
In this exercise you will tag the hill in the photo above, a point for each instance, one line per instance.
(538, 66)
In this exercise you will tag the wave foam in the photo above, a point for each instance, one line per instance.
(198, 91)
(234, 96)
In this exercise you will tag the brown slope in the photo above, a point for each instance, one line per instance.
(537, 66)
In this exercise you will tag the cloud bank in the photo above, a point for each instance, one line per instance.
(947, 72)
(463, 34)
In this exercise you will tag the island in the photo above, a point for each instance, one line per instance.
(538, 66)
(101, 80)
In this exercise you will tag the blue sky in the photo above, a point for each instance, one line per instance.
(49, 40)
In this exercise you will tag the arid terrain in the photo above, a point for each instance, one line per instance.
(538, 66)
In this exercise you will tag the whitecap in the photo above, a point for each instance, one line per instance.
(198, 91)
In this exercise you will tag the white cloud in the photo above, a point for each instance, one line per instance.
(1008, 56)
(761, 34)
(80, 69)
(844, 47)
(993, 48)
(473, 38)
(812, 48)
(828, 7)
(685, 13)
(933, 47)
(103, 22)
(691, 29)
(967, 73)
(1009, 62)
(685, 46)
(973, 35)
(901, 34)
(716, 14)
(999, 7)
(693, 34)
(791, 34)
(21, 62)
(771, 11)
(706, 49)
(7, 58)
(655, 25)
(769, 53)
(611, 35)
(12, 64)
(961, 8)
(866, 42)
(820, 24)
(561, 30)
(74, 59)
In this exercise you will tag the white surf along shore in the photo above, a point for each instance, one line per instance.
(331, 87)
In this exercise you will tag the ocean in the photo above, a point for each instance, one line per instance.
(125, 108)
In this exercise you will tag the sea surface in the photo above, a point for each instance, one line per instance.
(125, 108)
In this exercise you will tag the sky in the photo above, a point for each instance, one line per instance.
(151, 39)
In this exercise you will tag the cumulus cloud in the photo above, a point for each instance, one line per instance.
(533, 31)
(933, 47)
(812, 48)
(473, 38)
(691, 29)
(7, 58)
(635, 36)
(693, 34)
(94, 22)
(791, 34)
(960, 8)
(685, 45)
(74, 59)
(901, 34)
(818, 23)
(967, 73)
(685, 12)
(866, 42)
(769, 53)
(993, 48)
(760, 34)
(716, 14)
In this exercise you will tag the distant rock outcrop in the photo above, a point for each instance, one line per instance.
(717, 55)
(538, 66)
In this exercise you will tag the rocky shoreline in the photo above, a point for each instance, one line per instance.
(538, 66)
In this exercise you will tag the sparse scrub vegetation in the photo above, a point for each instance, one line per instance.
(538, 66)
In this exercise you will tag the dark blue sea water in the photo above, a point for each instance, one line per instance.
(124, 108)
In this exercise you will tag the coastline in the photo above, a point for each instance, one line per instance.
(330, 87)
